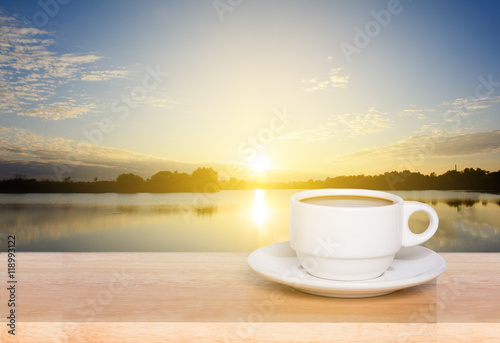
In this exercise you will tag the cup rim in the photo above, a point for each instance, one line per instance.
(311, 193)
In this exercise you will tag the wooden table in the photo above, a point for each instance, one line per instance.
(215, 297)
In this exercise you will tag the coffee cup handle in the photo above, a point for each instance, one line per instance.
(410, 238)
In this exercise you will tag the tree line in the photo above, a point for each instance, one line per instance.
(468, 179)
(206, 180)
(161, 182)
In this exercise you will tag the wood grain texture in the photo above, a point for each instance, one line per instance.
(129, 297)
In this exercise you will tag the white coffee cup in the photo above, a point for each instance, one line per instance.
(352, 234)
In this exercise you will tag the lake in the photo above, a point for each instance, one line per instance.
(226, 221)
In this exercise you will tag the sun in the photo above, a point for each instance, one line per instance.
(260, 163)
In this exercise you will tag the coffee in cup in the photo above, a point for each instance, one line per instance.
(347, 201)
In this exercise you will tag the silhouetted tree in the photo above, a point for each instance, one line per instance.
(166, 181)
(129, 183)
(161, 182)
(205, 180)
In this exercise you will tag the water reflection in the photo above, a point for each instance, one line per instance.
(205, 210)
(34, 222)
(259, 210)
(459, 203)
(230, 221)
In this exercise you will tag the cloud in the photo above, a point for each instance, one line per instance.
(57, 111)
(31, 73)
(432, 128)
(468, 106)
(449, 114)
(26, 152)
(418, 113)
(25, 146)
(342, 125)
(322, 132)
(20, 143)
(317, 86)
(436, 129)
(155, 98)
(335, 80)
(361, 124)
(477, 143)
(104, 75)
(460, 106)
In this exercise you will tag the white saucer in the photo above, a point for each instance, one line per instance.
(412, 266)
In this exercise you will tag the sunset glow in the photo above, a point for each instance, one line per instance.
(101, 88)
(260, 163)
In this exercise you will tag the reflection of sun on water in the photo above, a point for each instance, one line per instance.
(259, 211)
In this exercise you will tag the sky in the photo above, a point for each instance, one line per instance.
(289, 89)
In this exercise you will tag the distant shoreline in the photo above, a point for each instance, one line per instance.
(205, 180)
(485, 191)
